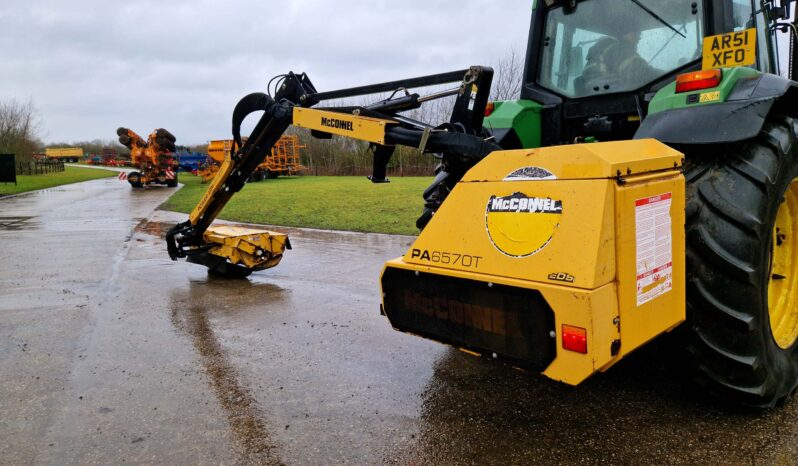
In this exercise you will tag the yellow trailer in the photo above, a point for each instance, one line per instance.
(283, 161)
(66, 154)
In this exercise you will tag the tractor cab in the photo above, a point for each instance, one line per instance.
(594, 66)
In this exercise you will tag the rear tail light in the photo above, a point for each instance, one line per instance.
(574, 339)
(489, 109)
(698, 80)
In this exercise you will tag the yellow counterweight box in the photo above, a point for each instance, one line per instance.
(561, 259)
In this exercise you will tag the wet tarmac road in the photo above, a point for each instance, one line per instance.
(111, 353)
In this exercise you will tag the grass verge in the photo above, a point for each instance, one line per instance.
(70, 175)
(327, 202)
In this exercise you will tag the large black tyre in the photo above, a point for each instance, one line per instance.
(166, 144)
(162, 133)
(733, 195)
(134, 178)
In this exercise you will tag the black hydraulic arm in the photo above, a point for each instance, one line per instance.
(187, 237)
(461, 142)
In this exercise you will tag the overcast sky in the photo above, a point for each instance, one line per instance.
(91, 66)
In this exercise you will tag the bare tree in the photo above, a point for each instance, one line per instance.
(508, 76)
(18, 126)
(344, 156)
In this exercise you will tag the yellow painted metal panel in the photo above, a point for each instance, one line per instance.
(353, 126)
(576, 161)
(607, 255)
(597, 312)
(650, 233)
(252, 248)
(201, 208)
(570, 236)
(594, 310)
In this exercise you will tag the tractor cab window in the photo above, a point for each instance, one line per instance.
(743, 14)
(610, 46)
(747, 16)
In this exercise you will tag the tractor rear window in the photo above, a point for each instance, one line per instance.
(609, 46)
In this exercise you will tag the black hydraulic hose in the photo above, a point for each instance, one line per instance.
(468, 145)
(247, 105)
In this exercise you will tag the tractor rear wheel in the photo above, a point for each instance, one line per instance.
(742, 266)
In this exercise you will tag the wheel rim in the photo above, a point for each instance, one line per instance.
(783, 282)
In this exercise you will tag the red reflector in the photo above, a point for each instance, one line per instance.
(574, 339)
(489, 108)
(697, 80)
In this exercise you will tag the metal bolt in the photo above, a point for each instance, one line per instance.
(417, 274)
(552, 334)
(490, 285)
(495, 356)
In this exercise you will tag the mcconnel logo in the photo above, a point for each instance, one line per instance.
(519, 225)
(337, 124)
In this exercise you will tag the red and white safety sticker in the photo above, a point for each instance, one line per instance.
(170, 175)
(654, 247)
(122, 176)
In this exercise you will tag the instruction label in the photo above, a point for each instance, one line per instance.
(732, 49)
(654, 243)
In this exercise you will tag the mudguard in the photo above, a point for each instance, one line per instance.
(739, 118)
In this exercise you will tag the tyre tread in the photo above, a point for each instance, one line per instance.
(728, 326)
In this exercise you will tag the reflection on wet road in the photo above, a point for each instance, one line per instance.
(112, 353)
(190, 314)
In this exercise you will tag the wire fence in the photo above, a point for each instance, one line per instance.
(352, 170)
(39, 168)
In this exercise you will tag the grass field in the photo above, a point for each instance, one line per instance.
(328, 202)
(70, 175)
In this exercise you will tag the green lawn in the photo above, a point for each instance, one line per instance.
(69, 175)
(328, 202)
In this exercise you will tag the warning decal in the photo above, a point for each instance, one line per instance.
(654, 247)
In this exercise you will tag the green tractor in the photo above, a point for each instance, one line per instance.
(705, 78)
